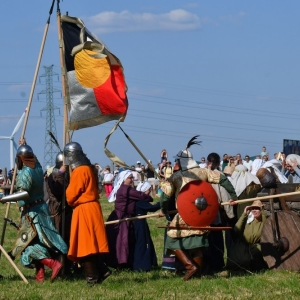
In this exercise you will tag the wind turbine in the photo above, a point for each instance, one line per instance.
(12, 141)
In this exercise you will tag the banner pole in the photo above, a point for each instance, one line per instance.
(66, 135)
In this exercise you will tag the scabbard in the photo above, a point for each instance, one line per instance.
(196, 228)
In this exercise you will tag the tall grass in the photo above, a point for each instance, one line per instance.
(157, 284)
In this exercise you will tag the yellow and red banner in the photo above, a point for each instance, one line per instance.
(96, 82)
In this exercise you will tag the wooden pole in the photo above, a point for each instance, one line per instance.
(263, 198)
(66, 135)
(139, 151)
(13, 264)
(196, 228)
(138, 218)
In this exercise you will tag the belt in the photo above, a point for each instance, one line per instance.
(37, 202)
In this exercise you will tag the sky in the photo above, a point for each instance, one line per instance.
(225, 70)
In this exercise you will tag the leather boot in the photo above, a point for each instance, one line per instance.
(188, 263)
(90, 269)
(104, 271)
(53, 264)
(40, 272)
(199, 262)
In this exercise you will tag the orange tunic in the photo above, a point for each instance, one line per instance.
(88, 235)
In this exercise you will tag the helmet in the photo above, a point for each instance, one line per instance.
(73, 152)
(71, 147)
(59, 160)
(184, 154)
(186, 160)
(24, 149)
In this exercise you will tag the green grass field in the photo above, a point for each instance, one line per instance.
(157, 284)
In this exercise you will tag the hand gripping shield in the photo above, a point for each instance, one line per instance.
(197, 203)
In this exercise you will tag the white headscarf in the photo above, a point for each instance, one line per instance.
(143, 186)
(241, 178)
(256, 165)
(117, 183)
(277, 166)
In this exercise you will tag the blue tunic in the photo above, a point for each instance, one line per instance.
(144, 251)
(31, 180)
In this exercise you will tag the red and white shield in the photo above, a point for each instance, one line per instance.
(197, 203)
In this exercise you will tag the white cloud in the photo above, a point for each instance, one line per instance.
(175, 20)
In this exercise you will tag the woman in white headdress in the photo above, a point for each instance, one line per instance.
(144, 251)
(246, 185)
(121, 235)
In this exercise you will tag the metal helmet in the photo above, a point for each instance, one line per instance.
(184, 154)
(186, 160)
(71, 148)
(59, 160)
(24, 149)
(185, 157)
(75, 156)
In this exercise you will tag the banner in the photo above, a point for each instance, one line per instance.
(95, 79)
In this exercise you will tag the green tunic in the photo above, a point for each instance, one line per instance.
(246, 251)
(251, 233)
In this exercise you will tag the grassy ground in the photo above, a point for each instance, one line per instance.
(157, 284)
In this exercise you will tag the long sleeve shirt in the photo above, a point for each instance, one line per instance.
(250, 232)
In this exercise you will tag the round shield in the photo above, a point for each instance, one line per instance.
(197, 203)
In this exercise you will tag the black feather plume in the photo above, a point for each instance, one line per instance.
(193, 141)
(54, 140)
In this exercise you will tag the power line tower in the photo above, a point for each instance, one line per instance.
(50, 150)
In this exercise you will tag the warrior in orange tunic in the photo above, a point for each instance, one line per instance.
(88, 236)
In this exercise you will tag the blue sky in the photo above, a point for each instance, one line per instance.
(226, 70)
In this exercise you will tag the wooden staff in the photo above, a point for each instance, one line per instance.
(262, 198)
(139, 218)
(196, 228)
(13, 264)
(139, 151)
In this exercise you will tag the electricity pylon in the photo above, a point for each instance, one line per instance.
(50, 150)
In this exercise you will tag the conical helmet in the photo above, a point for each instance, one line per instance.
(185, 157)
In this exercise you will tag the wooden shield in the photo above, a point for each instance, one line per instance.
(203, 195)
(287, 226)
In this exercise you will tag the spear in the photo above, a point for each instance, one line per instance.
(139, 218)
(262, 198)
